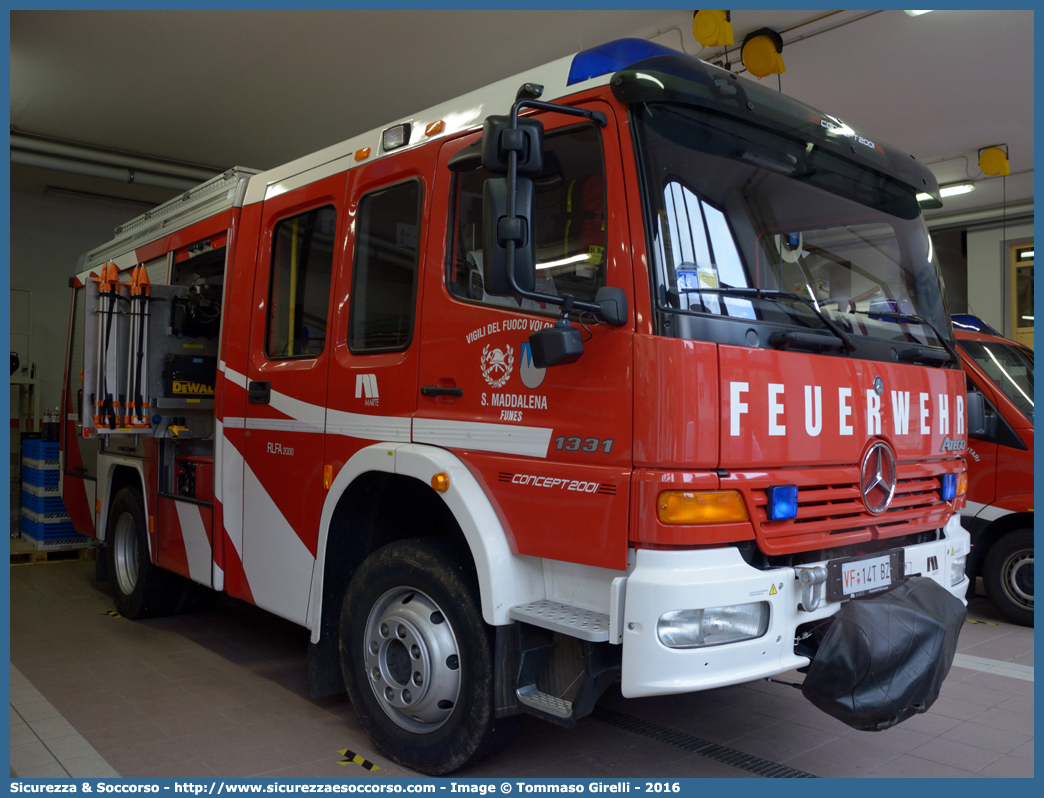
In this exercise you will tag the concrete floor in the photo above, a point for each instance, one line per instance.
(224, 693)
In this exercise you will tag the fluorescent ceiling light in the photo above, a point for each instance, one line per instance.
(916, 13)
(953, 191)
(1026, 254)
(1028, 318)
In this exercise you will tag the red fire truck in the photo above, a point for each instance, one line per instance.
(999, 509)
(622, 369)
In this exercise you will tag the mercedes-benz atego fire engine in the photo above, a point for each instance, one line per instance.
(624, 369)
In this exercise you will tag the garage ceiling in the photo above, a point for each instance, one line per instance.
(220, 88)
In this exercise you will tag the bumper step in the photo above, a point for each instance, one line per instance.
(573, 621)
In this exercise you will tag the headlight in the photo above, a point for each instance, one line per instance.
(957, 565)
(715, 626)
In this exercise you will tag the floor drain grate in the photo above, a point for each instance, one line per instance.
(719, 753)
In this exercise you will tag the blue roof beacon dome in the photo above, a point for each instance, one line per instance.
(612, 57)
(966, 321)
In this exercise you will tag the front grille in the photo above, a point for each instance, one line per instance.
(831, 510)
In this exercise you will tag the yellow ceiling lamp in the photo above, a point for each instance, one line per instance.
(713, 28)
(761, 53)
(994, 161)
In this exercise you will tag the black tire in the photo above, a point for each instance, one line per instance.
(418, 601)
(1007, 575)
(139, 588)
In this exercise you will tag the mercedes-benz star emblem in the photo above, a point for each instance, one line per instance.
(878, 478)
(878, 386)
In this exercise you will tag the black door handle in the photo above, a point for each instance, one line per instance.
(435, 390)
(259, 393)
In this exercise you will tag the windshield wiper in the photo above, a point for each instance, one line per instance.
(916, 354)
(728, 290)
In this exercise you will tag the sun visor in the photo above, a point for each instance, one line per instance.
(689, 81)
(884, 659)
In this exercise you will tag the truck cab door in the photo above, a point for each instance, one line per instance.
(373, 381)
(298, 258)
(552, 446)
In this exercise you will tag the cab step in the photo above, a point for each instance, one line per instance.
(532, 697)
(554, 662)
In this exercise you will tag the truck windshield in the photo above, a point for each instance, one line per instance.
(1009, 366)
(736, 207)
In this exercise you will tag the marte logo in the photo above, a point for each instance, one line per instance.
(530, 375)
(497, 365)
(933, 564)
(366, 388)
(952, 446)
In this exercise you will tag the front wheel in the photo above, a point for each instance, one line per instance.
(418, 659)
(1008, 576)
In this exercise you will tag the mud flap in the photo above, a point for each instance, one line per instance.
(884, 658)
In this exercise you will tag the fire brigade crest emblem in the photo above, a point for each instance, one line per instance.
(497, 365)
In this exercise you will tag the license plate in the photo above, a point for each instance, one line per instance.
(861, 576)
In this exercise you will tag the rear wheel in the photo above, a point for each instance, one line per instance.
(139, 588)
(1008, 576)
(418, 659)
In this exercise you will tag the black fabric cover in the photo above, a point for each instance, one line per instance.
(884, 658)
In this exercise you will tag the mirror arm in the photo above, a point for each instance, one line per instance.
(596, 116)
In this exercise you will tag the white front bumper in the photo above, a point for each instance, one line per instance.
(678, 580)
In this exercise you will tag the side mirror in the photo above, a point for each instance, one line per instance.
(977, 415)
(612, 305)
(556, 346)
(498, 229)
(527, 140)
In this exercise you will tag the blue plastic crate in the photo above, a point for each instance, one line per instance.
(35, 476)
(43, 504)
(40, 450)
(50, 532)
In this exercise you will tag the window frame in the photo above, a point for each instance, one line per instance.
(355, 271)
(271, 284)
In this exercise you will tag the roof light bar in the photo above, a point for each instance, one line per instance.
(612, 57)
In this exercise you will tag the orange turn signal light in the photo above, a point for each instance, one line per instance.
(327, 477)
(962, 483)
(435, 127)
(701, 507)
(97, 506)
(363, 154)
(440, 482)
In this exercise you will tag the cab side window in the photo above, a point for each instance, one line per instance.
(570, 222)
(384, 279)
(299, 284)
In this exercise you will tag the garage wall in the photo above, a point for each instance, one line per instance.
(987, 271)
(48, 236)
